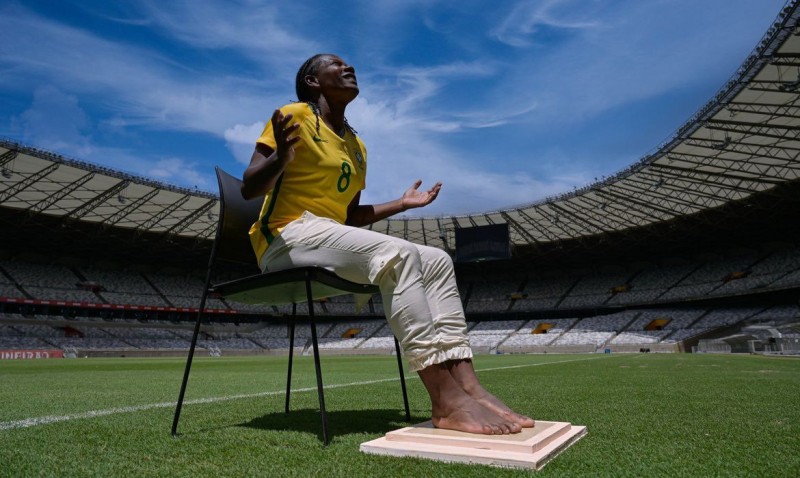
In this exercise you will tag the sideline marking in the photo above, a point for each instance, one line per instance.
(46, 420)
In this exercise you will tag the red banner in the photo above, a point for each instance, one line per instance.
(30, 354)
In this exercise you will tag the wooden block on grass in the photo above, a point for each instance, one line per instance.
(532, 448)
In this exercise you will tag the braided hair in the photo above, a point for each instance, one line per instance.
(306, 95)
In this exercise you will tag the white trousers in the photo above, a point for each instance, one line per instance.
(417, 283)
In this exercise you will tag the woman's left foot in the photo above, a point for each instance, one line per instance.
(464, 374)
(494, 404)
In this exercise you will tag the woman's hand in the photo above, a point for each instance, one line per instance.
(283, 128)
(266, 164)
(414, 198)
(362, 215)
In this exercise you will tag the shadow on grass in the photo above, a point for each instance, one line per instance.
(340, 422)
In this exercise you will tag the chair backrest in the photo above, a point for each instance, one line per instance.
(236, 215)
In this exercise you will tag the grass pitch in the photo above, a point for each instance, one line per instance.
(647, 415)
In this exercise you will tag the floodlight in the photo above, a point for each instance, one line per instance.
(723, 144)
(790, 86)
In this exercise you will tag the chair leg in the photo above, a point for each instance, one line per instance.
(315, 344)
(291, 356)
(320, 392)
(402, 378)
(188, 365)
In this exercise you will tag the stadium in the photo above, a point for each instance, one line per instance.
(685, 264)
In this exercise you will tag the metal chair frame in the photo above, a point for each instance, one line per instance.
(291, 286)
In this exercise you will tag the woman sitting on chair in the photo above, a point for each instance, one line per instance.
(311, 166)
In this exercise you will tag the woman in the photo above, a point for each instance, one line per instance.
(311, 167)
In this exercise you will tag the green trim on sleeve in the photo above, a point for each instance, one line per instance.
(265, 219)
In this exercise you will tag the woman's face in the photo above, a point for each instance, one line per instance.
(335, 77)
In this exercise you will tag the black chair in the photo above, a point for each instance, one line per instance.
(292, 286)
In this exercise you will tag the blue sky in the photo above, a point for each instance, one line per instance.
(505, 102)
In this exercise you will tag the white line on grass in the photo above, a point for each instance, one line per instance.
(32, 422)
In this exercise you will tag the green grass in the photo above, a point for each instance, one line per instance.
(647, 415)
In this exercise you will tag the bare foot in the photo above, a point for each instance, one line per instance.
(463, 373)
(470, 416)
(501, 409)
(452, 408)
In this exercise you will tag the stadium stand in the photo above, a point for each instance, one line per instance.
(543, 292)
(538, 333)
(488, 335)
(698, 240)
(382, 339)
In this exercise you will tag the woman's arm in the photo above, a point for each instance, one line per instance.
(266, 164)
(358, 215)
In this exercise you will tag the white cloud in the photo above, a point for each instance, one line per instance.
(256, 29)
(493, 119)
(520, 27)
(240, 140)
(55, 121)
(138, 86)
(400, 152)
(412, 92)
(627, 53)
(177, 170)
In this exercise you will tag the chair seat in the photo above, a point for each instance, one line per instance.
(289, 286)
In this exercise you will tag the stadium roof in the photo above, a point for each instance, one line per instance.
(741, 143)
(40, 182)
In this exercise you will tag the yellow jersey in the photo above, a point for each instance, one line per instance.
(323, 178)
